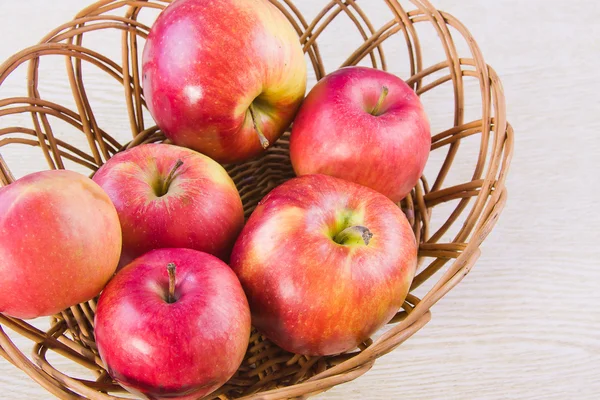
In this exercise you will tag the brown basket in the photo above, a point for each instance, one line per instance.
(466, 209)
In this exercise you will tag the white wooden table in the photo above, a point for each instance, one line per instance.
(525, 324)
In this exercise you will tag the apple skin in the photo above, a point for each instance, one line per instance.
(335, 133)
(207, 61)
(201, 210)
(185, 349)
(309, 294)
(61, 243)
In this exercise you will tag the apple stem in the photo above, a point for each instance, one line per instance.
(382, 96)
(171, 270)
(357, 234)
(167, 182)
(264, 142)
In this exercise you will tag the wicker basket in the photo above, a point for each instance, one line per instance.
(450, 219)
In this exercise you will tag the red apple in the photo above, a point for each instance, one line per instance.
(223, 77)
(363, 125)
(174, 323)
(60, 244)
(169, 196)
(324, 263)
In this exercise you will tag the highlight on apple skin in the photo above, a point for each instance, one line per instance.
(363, 125)
(223, 77)
(173, 324)
(170, 196)
(324, 263)
(61, 242)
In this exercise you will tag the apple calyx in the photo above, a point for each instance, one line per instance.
(382, 96)
(352, 235)
(167, 182)
(264, 142)
(171, 270)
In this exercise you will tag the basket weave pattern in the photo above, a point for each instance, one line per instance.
(268, 372)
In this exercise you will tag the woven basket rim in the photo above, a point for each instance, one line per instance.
(71, 332)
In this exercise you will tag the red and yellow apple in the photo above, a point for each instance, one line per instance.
(61, 242)
(363, 125)
(173, 324)
(223, 77)
(324, 263)
(170, 196)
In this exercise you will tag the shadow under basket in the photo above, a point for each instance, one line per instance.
(451, 215)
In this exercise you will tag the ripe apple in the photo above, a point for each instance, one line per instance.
(223, 77)
(174, 323)
(60, 244)
(363, 125)
(169, 196)
(324, 263)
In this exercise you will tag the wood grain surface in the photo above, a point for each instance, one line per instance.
(525, 324)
